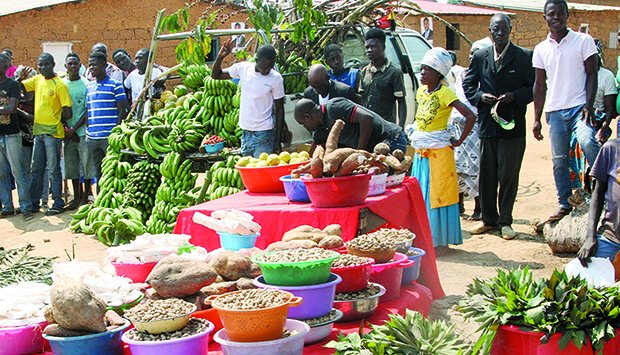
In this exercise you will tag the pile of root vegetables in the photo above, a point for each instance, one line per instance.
(332, 161)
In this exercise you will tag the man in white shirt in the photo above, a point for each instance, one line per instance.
(135, 79)
(605, 100)
(111, 70)
(262, 88)
(565, 63)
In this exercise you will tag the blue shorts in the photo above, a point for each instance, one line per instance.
(606, 248)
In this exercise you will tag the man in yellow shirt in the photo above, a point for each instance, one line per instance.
(52, 108)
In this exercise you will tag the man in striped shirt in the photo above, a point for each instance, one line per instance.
(106, 103)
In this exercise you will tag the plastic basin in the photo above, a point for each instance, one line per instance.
(301, 273)
(321, 331)
(377, 184)
(106, 343)
(237, 241)
(163, 325)
(512, 340)
(253, 325)
(318, 299)
(412, 273)
(389, 275)
(293, 345)
(354, 278)
(212, 316)
(214, 148)
(295, 189)
(136, 272)
(197, 344)
(266, 179)
(338, 191)
(395, 180)
(26, 339)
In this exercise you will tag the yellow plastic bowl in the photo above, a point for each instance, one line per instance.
(163, 325)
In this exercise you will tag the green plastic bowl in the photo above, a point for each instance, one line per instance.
(301, 273)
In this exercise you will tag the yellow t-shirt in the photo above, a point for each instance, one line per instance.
(433, 111)
(50, 96)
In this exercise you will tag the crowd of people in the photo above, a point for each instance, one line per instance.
(468, 136)
(52, 123)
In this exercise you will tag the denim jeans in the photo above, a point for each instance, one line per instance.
(11, 162)
(562, 124)
(256, 142)
(46, 156)
(27, 163)
(398, 142)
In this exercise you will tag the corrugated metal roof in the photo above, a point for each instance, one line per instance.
(8, 7)
(536, 5)
(449, 9)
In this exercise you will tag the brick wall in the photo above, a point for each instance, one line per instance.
(117, 23)
(599, 2)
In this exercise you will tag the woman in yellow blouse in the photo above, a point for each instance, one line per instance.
(433, 163)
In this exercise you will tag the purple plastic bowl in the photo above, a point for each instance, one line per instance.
(317, 299)
(412, 273)
(197, 344)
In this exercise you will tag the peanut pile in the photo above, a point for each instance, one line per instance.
(369, 242)
(350, 260)
(153, 310)
(194, 326)
(251, 299)
(369, 291)
(297, 255)
(399, 235)
(320, 320)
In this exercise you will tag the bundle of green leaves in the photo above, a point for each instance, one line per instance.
(561, 304)
(412, 334)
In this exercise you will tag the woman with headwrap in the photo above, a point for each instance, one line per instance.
(433, 162)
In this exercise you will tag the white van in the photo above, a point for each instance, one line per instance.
(403, 47)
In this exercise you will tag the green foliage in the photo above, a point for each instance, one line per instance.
(264, 17)
(412, 334)
(309, 20)
(560, 304)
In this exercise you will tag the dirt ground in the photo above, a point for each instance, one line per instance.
(479, 256)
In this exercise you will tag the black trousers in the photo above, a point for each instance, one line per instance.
(500, 163)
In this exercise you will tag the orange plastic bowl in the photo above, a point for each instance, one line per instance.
(252, 325)
(266, 179)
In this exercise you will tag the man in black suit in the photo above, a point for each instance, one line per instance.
(322, 88)
(499, 82)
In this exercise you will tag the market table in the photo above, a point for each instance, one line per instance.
(401, 206)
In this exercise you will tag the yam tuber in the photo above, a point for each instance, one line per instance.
(398, 154)
(332, 161)
(76, 307)
(393, 163)
(296, 174)
(56, 330)
(382, 148)
(407, 162)
(175, 276)
(351, 163)
(333, 229)
(334, 136)
(331, 242)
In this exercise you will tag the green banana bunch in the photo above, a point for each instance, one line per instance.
(224, 178)
(142, 184)
(194, 75)
(112, 226)
(185, 136)
(294, 74)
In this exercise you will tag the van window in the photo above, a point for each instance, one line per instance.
(354, 52)
(416, 48)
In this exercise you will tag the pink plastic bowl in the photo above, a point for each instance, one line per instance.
(136, 272)
(390, 275)
(27, 339)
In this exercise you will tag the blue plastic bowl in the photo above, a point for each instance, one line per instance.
(411, 273)
(106, 343)
(295, 189)
(236, 241)
(214, 148)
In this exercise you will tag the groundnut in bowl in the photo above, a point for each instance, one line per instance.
(402, 238)
(296, 267)
(160, 316)
(372, 246)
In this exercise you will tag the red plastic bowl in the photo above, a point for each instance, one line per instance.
(136, 272)
(338, 191)
(266, 179)
(212, 316)
(512, 340)
(354, 278)
(390, 275)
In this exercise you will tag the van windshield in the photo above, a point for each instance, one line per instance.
(416, 48)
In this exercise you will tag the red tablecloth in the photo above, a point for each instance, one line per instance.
(402, 206)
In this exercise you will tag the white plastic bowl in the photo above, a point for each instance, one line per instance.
(395, 180)
(321, 331)
(377, 184)
(292, 345)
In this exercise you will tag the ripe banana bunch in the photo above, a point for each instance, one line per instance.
(225, 178)
(176, 192)
(142, 183)
(112, 226)
(194, 75)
